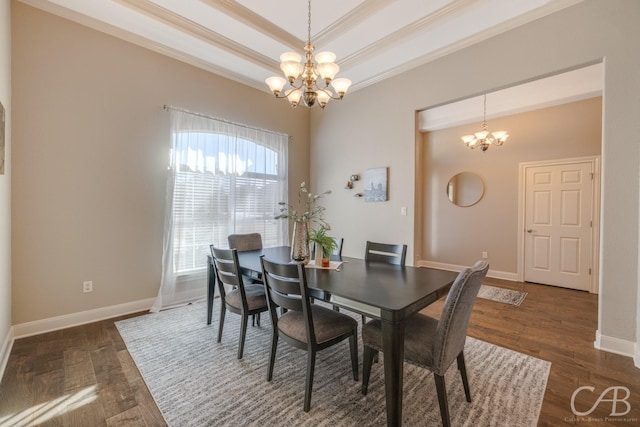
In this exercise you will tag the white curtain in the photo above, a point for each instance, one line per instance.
(223, 178)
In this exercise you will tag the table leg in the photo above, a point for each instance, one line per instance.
(211, 287)
(393, 346)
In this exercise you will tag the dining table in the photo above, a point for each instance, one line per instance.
(393, 292)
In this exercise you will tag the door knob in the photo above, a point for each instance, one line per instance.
(530, 230)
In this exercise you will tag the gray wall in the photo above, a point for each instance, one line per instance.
(5, 180)
(90, 158)
(377, 127)
(458, 236)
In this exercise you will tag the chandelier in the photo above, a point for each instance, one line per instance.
(484, 138)
(309, 81)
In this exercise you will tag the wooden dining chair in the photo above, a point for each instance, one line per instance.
(303, 325)
(386, 253)
(431, 343)
(337, 252)
(243, 299)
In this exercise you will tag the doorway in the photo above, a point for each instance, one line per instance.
(559, 226)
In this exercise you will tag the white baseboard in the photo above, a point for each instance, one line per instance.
(636, 356)
(5, 351)
(617, 346)
(69, 320)
(453, 267)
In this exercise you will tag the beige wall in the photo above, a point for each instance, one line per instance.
(376, 127)
(90, 157)
(5, 180)
(458, 236)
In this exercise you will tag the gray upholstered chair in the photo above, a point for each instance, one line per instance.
(245, 242)
(243, 299)
(431, 343)
(310, 327)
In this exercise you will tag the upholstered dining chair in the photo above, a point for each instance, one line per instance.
(431, 343)
(243, 243)
(306, 326)
(243, 299)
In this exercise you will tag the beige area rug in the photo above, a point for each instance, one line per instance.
(198, 382)
(507, 296)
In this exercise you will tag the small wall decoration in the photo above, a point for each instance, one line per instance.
(352, 179)
(1, 139)
(375, 185)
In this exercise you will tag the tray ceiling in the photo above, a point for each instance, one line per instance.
(243, 39)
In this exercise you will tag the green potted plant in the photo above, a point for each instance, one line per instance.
(324, 242)
(303, 214)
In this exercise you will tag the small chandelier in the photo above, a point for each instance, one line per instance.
(484, 138)
(309, 81)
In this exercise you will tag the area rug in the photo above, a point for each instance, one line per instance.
(196, 381)
(507, 296)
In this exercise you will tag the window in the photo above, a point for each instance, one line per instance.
(223, 178)
(223, 184)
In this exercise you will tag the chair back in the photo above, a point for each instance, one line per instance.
(245, 242)
(338, 250)
(227, 269)
(386, 253)
(451, 331)
(286, 286)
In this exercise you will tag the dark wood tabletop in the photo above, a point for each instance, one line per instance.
(397, 291)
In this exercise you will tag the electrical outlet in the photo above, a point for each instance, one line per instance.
(403, 211)
(485, 255)
(87, 286)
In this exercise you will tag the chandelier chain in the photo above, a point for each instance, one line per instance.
(309, 25)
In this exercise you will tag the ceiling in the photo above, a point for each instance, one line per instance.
(243, 39)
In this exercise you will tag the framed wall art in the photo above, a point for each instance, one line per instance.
(2, 116)
(375, 185)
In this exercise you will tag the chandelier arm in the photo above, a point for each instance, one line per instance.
(328, 92)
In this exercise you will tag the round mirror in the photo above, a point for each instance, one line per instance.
(465, 189)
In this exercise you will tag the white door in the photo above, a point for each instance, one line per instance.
(558, 224)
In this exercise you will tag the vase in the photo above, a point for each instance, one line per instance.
(300, 242)
(319, 254)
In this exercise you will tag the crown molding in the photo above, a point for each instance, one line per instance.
(255, 21)
(201, 32)
(366, 9)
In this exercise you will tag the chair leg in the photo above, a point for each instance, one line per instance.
(223, 309)
(367, 361)
(353, 346)
(258, 319)
(253, 320)
(442, 400)
(272, 355)
(311, 366)
(364, 320)
(463, 373)
(243, 334)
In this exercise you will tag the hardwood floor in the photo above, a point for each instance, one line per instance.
(84, 376)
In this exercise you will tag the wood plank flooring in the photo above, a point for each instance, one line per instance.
(84, 376)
